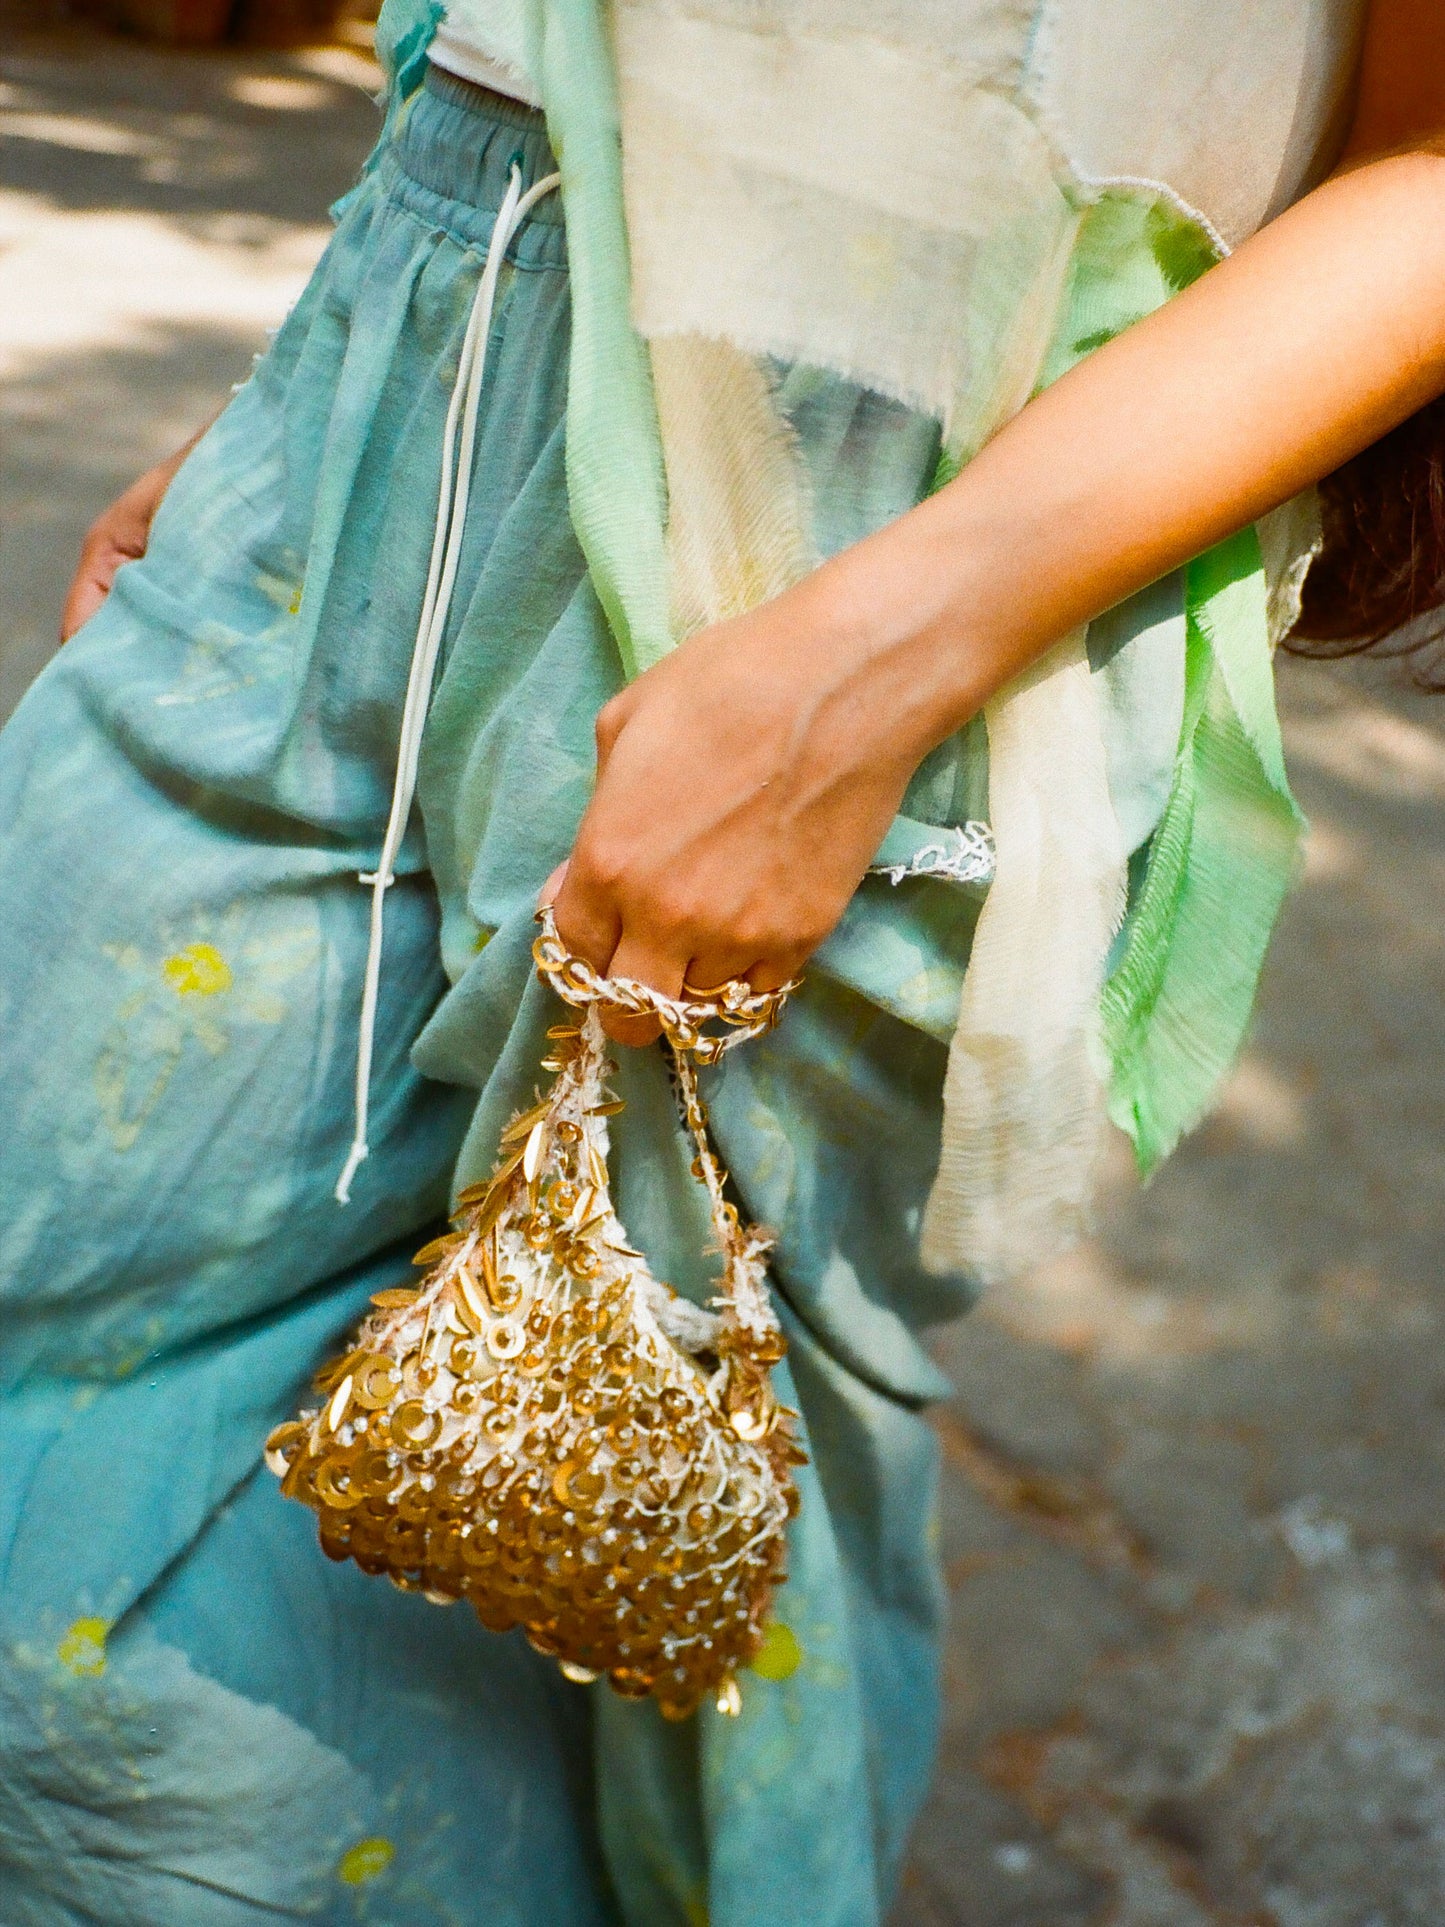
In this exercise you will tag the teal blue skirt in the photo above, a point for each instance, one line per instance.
(202, 1720)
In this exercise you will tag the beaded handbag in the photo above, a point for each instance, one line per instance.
(546, 1429)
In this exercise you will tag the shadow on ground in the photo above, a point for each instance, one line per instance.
(158, 211)
(217, 141)
(1194, 1484)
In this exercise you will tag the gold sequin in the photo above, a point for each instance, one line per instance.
(376, 1384)
(412, 1424)
(340, 1399)
(438, 1251)
(418, 1374)
(574, 1485)
(506, 1341)
(560, 1198)
(281, 1446)
(335, 1485)
(375, 1474)
(395, 1300)
(465, 1356)
(332, 1374)
(532, 1155)
(469, 1303)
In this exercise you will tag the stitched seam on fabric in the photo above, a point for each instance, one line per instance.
(545, 216)
(398, 198)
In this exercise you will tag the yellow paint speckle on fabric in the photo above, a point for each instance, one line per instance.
(780, 1655)
(365, 1861)
(294, 605)
(82, 1650)
(198, 970)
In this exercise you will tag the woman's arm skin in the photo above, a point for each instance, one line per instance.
(745, 782)
(119, 534)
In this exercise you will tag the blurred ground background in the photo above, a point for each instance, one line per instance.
(1195, 1493)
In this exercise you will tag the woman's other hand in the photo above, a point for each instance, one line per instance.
(119, 534)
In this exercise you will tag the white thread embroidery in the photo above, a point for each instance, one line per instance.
(966, 856)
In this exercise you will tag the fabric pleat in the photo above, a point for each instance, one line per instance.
(1175, 1010)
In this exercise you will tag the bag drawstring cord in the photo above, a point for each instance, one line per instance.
(436, 607)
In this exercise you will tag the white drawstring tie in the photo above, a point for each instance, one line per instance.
(436, 606)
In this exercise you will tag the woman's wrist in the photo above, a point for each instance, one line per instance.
(907, 634)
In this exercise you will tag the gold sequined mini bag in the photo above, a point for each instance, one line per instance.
(546, 1429)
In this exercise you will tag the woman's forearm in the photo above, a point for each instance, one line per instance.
(1321, 333)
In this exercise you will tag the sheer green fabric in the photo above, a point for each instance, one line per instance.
(1177, 1006)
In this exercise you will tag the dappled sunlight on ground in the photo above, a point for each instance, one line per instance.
(158, 213)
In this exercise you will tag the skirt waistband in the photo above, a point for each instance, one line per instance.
(451, 158)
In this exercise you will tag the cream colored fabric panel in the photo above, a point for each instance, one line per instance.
(990, 36)
(1230, 104)
(507, 32)
(833, 201)
(738, 519)
(828, 199)
(1290, 538)
(473, 55)
(1024, 1109)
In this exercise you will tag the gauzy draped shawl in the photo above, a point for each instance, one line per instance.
(912, 194)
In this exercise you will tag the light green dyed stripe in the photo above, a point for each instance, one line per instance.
(614, 449)
(1177, 1008)
(615, 485)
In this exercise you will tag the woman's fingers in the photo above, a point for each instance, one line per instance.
(590, 931)
(773, 972)
(643, 963)
(586, 923)
(88, 589)
(719, 965)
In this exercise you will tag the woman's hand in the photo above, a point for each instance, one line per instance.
(744, 785)
(119, 534)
